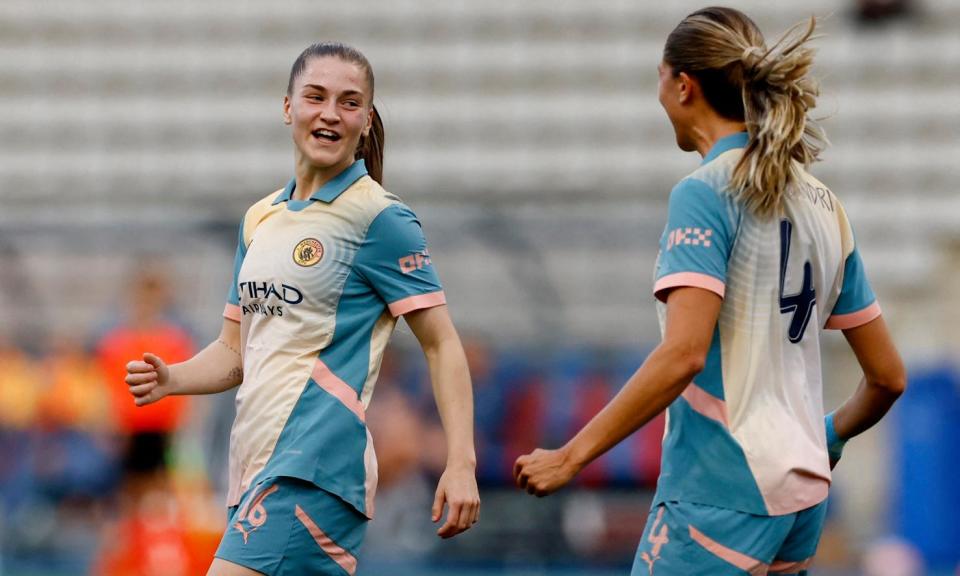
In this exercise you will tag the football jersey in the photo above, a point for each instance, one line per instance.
(748, 433)
(318, 286)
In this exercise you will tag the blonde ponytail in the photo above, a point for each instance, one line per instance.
(769, 89)
(778, 94)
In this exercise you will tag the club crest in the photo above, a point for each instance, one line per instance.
(308, 252)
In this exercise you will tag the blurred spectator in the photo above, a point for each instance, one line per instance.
(152, 533)
(58, 464)
(19, 387)
(146, 541)
(168, 532)
(74, 394)
(146, 327)
(19, 383)
(76, 456)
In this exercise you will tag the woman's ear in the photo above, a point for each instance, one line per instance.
(369, 124)
(287, 119)
(686, 86)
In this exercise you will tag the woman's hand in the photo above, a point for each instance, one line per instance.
(458, 490)
(149, 379)
(544, 471)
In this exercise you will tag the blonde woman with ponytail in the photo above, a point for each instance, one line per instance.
(756, 258)
(325, 267)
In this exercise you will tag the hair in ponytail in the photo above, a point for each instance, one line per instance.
(769, 89)
(370, 147)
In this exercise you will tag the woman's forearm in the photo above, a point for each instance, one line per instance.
(658, 382)
(884, 379)
(214, 369)
(450, 377)
(864, 409)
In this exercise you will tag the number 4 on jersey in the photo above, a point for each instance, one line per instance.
(801, 303)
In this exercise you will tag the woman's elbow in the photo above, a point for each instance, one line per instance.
(688, 362)
(892, 381)
(694, 365)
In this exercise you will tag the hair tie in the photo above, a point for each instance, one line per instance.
(751, 58)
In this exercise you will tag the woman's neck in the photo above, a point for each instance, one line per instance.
(705, 134)
(311, 178)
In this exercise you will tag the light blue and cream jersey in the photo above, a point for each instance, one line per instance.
(318, 286)
(747, 433)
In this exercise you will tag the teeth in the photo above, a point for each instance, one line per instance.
(326, 134)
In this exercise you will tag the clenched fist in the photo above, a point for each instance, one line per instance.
(149, 379)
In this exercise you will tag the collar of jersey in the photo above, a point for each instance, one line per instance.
(329, 191)
(738, 140)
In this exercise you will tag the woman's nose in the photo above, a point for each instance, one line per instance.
(329, 112)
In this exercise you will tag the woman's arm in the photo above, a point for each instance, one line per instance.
(216, 368)
(884, 380)
(453, 392)
(691, 318)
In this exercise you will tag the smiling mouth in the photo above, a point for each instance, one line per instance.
(327, 135)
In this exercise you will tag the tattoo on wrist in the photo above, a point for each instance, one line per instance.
(228, 347)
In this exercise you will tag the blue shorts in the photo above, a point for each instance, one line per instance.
(685, 539)
(286, 526)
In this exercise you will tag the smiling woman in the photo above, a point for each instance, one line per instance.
(321, 276)
(329, 105)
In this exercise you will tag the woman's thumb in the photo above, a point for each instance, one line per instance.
(152, 359)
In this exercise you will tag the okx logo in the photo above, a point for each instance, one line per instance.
(253, 514)
(414, 262)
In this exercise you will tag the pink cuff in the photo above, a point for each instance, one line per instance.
(231, 312)
(687, 279)
(854, 319)
(411, 303)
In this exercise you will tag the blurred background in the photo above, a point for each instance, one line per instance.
(528, 138)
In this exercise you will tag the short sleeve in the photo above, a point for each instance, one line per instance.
(232, 309)
(857, 303)
(395, 261)
(696, 243)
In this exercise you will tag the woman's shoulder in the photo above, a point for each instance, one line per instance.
(715, 174)
(265, 202)
(370, 197)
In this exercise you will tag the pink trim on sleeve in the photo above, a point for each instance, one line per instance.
(231, 312)
(688, 279)
(854, 319)
(342, 391)
(418, 302)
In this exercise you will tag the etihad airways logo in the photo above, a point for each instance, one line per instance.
(266, 291)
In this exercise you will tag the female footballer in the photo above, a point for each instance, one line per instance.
(757, 256)
(324, 268)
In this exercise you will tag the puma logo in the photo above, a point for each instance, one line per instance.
(658, 537)
(253, 513)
